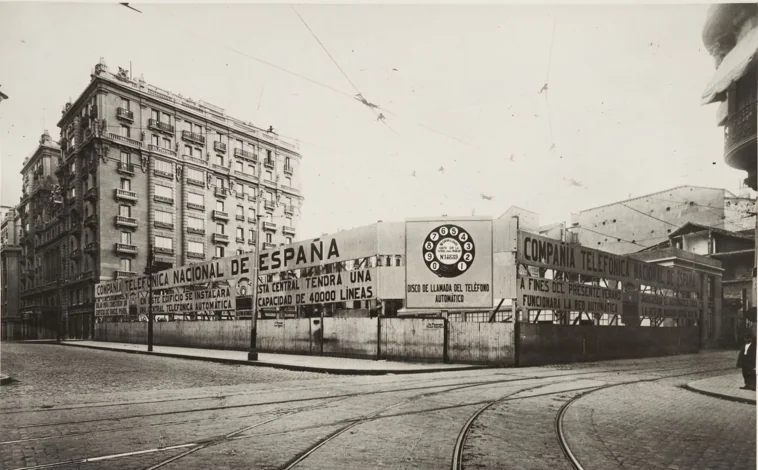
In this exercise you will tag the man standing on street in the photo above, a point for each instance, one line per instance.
(746, 359)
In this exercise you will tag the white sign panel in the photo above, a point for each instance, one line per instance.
(345, 286)
(449, 263)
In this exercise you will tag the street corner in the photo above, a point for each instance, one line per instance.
(726, 387)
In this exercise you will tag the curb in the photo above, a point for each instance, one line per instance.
(5, 380)
(274, 365)
(747, 401)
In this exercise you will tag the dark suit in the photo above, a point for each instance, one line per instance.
(746, 360)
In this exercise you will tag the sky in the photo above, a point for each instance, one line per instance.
(459, 87)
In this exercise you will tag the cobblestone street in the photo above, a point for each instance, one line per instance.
(88, 409)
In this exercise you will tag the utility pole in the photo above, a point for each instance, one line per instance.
(149, 271)
(252, 354)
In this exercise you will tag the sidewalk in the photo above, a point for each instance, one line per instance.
(726, 387)
(332, 365)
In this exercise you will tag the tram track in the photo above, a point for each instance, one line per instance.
(346, 425)
(458, 449)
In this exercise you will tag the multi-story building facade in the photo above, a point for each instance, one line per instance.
(143, 167)
(730, 35)
(42, 233)
(630, 225)
(10, 257)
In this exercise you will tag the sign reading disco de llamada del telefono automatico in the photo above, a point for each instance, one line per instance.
(449, 263)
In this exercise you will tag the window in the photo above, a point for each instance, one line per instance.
(164, 217)
(218, 137)
(72, 194)
(251, 191)
(220, 228)
(238, 144)
(240, 251)
(125, 211)
(251, 169)
(288, 181)
(164, 166)
(251, 234)
(195, 247)
(289, 222)
(268, 238)
(126, 264)
(164, 242)
(240, 211)
(198, 154)
(239, 166)
(125, 158)
(240, 233)
(196, 223)
(164, 191)
(194, 198)
(220, 160)
(289, 200)
(220, 206)
(289, 240)
(269, 155)
(126, 131)
(219, 252)
(126, 238)
(238, 188)
(166, 143)
(188, 150)
(194, 174)
(155, 140)
(269, 175)
(252, 212)
(125, 104)
(155, 114)
(269, 196)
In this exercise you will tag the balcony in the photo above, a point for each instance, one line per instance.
(239, 240)
(192, 254)
(220, 238)
(161, 150)
(163, 225)
(290, 189)
(220, 215)
(93, 111)
(125, 140)
(269, 205)
(163, 174)
(126, 222)
(160, 126)
(287, 230)
(91, 247)
(289, 210)
(76, 254)
(740, 138)
(91, 194)
(125, 248)
(91, 221)
(197, 207)
(271, 227)
(221, 192)
(289, 170)
(193, 137)
(124, 274)
(251, 219)
(124, 195)
(269, 163)
(245, 154)
(195, 182)
(126, 168)
(125, 114)
(239, 195)
(197, 161)
(268, 246)
(219, 146)
(251, 242)
(196, 231)
(160, 250)
(163, 199)
(240, 217)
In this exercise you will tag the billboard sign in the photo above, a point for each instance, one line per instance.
(109, 300)
(448, 263)
(345, 286)
(554, 254)
(188, 301)
(547, 294)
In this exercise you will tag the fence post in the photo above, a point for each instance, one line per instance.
(445, 340)
(378, 337)
(516, 336)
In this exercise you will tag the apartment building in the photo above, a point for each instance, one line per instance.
(10, 257)
(143, 167)
(42, 232)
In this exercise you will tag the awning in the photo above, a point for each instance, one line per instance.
(732, 67)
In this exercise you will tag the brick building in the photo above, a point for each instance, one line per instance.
(143, 167)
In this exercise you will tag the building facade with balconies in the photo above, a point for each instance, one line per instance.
(10, 275)
(146, 167)
(42, 229)
(730, 34)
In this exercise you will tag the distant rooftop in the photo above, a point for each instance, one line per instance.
(727, 193)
